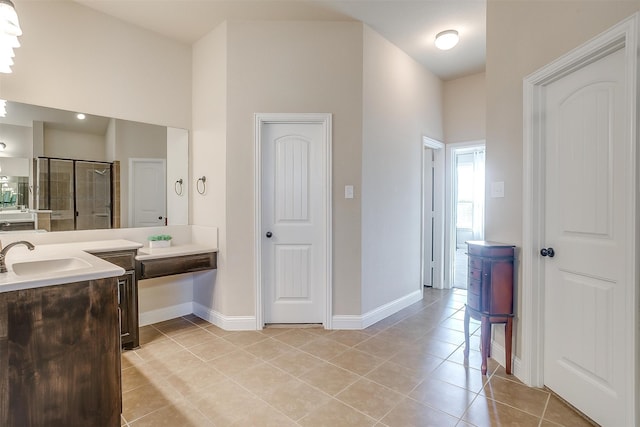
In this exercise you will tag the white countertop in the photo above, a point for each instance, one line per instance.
(96, 267)
(173, 251)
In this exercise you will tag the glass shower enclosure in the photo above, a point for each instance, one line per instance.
(78, 193)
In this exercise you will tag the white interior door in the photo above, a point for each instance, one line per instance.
(147, 197)
(588, 179)
(293, 222)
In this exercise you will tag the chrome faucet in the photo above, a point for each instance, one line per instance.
(3, 252)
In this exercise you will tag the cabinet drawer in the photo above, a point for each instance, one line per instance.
(473, 301)
(490, 251)
(475, 263)
(475, 286)
(125, 260)
(150, 268)
(17, 226)
(475, 274)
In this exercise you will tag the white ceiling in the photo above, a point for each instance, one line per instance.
(409, 24)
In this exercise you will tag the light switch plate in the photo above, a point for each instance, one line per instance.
(497, 189)
(348, 191)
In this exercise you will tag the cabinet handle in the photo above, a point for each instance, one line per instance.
(121, 283)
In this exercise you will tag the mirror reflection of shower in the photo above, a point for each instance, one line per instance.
(78, 193)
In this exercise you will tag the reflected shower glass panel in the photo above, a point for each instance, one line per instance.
(93, 195)
(61, 195)
(41, 168)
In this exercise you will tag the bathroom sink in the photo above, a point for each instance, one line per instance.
(43, 266)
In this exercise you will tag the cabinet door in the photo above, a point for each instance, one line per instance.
(128, 310)
(502, 287)
(486, 287)
(59, 361)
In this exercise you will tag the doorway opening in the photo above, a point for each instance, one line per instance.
(467, 207)
(432, 243)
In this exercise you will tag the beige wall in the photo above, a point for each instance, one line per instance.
(74, 145)
(77, 59)
(293, 67)
(209, 158)
(402, 102)
(465, 109)
(341, 68)
(18, 140)
(523, 36)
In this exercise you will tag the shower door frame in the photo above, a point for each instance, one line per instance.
(75, 190)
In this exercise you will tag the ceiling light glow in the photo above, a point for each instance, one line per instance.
(445, 40)
(81, 116)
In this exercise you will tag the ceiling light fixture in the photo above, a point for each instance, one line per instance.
(81, 116)
(445, 40)
(9, 32)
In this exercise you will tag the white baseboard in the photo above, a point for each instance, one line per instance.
(248, 323)
(377, 314)
(498, 354)
(347, 321)
(229, 323)
(165, 313)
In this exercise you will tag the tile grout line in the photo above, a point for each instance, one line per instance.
(544, 411)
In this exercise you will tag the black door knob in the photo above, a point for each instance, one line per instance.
(159, 217)
(547, 252)
(269, 234)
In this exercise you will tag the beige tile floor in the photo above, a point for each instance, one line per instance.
(407, 370)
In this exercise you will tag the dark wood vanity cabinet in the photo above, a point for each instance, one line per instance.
(60, 356)
(127, 295)
(490, 294)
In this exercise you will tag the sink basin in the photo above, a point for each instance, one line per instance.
(43, 266)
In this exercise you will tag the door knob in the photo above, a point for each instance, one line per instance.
(269, 234)
(547, 252)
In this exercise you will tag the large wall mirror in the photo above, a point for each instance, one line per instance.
(75, 171)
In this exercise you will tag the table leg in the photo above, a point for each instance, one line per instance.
(466, 334)
(485, 338)
(508, 331)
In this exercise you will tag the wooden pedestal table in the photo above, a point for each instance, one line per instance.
(490, 295)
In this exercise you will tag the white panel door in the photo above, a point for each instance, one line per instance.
(587, 180)
(147, 197)
(293, 218)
